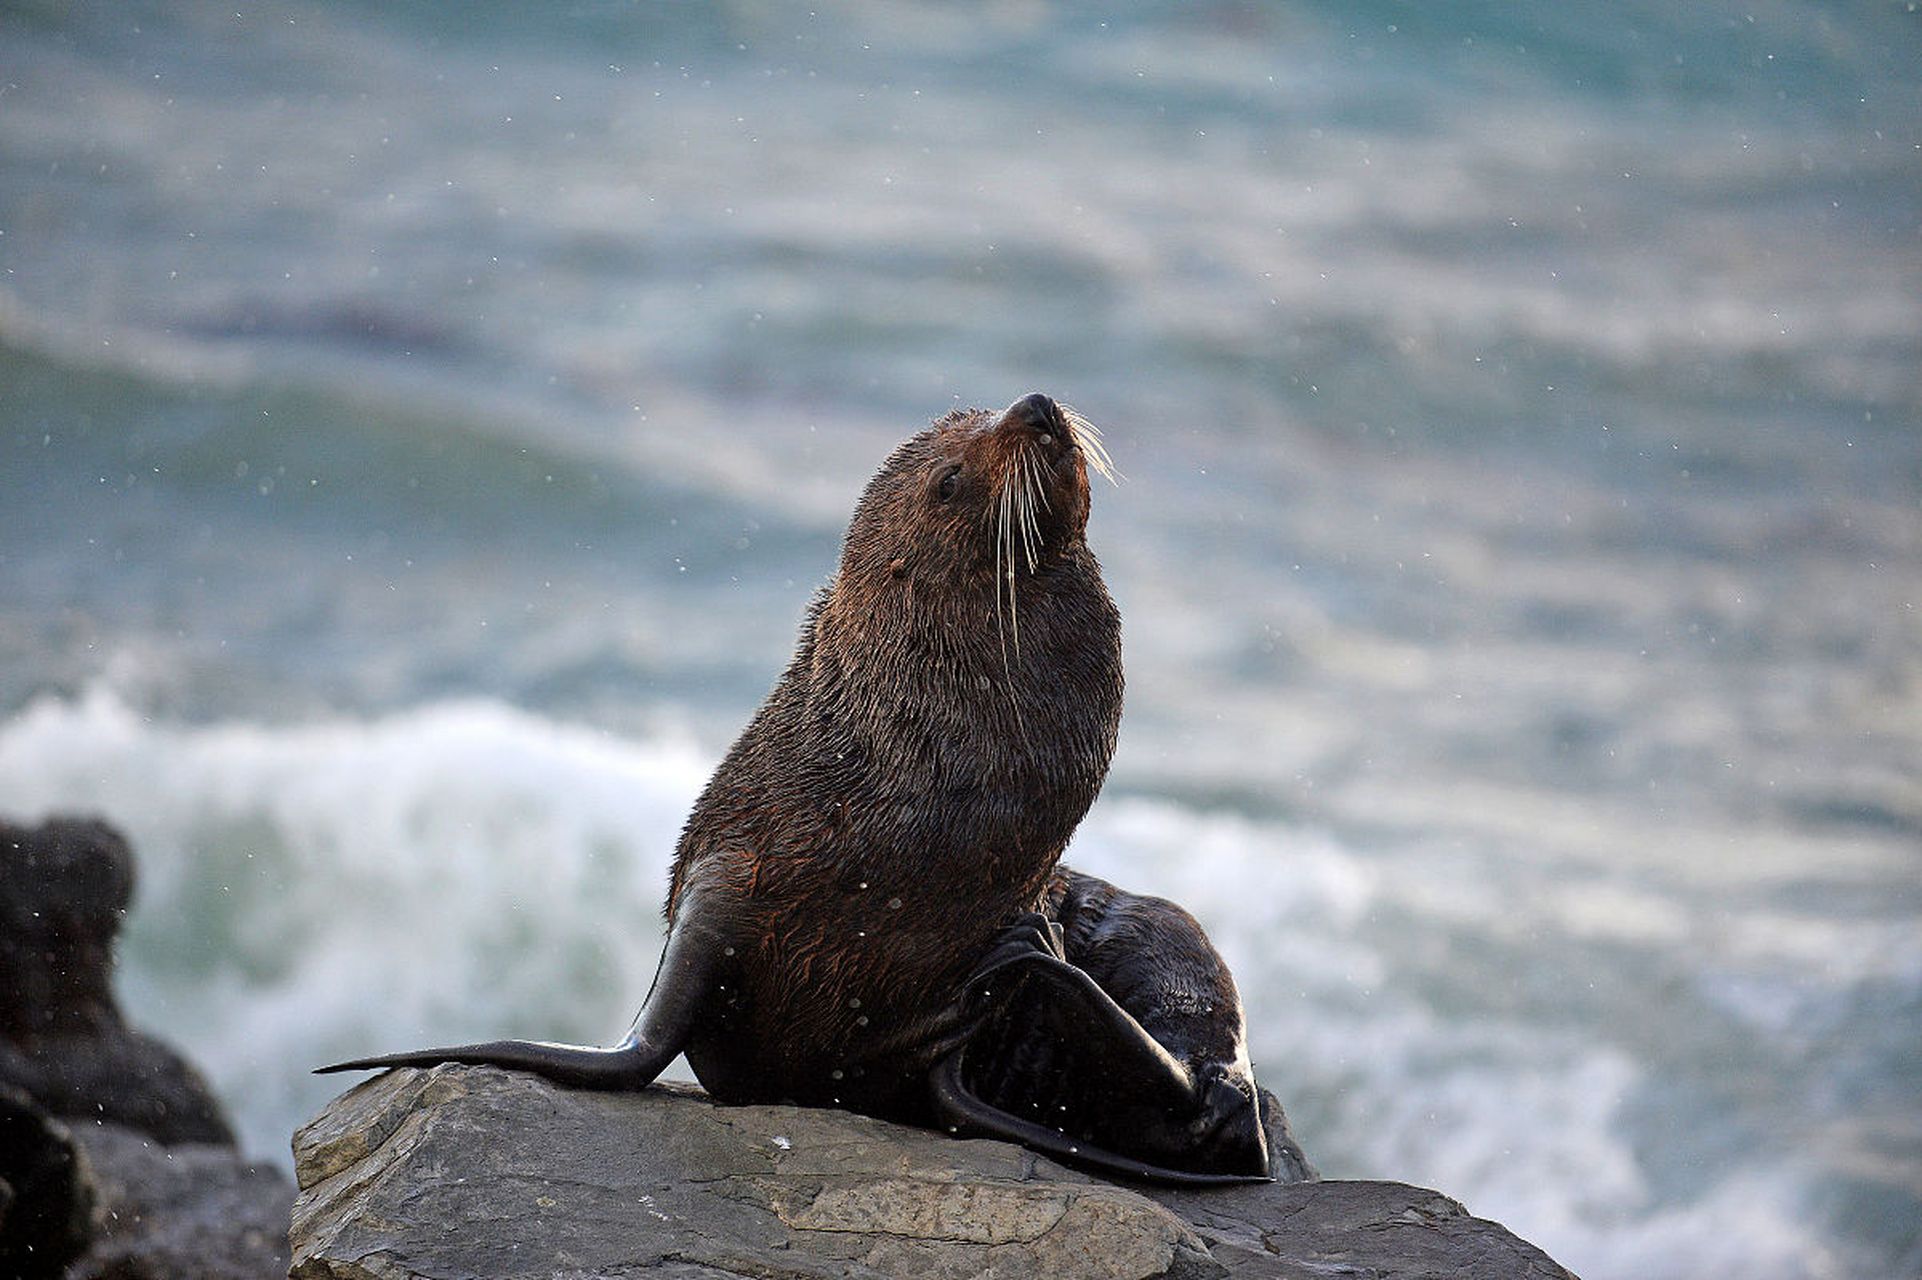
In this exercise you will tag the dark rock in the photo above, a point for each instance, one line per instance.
(45, 1194)
(142, 1182)
(64, 889)
(195, 1211)
(462, 1171)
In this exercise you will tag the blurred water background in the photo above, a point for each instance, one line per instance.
(422, 426)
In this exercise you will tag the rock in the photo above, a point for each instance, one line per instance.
(151, 1187)
(192, 1211)
(472, 1171)
(64, 889)
(46, 1197)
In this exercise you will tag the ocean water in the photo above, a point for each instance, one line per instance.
(421, 428)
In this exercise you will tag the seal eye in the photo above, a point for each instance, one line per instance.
(950, 482)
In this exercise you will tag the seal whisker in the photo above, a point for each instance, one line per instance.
(1030, 526)
(1004, 569)
(1007, 542)
(1003, 572)
(1040, 487)
(1087, 437)
(1037, 499)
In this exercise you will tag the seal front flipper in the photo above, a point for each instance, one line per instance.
(686, 977)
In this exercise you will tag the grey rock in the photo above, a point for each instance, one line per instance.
(465, 1171)
(192, 1211)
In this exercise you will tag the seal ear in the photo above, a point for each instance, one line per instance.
(1148, 1118)
(682, 983)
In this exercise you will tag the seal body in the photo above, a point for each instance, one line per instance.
(909, 785)
(867, 908)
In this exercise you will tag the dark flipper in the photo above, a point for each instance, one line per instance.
(1060, 1068)
(682, 984)
(968, 1116)
(631, 1065)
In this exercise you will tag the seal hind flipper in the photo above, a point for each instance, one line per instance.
(967, 1115)
(1076, 1006)
(682, 983)
(1139, 1112)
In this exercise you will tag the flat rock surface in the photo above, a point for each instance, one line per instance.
(471, 1171)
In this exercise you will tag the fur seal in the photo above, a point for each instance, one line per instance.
(866, 909)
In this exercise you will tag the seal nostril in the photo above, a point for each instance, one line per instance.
(1037, 412)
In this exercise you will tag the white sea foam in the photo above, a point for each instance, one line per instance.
(312, 892)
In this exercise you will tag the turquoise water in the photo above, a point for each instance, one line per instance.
(420, 432)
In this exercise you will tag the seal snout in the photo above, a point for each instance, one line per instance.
(1039, 414)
